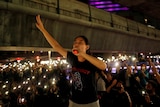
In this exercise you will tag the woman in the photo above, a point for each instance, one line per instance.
(84, 66)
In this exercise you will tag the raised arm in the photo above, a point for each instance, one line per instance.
(155, 71)
(98, 63)
(49, 38)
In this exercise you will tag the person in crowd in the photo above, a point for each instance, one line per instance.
(13, 99)
(143, 73)
(40, 99)
(53, 97)
(111, 82)
(155, 71)
(151, 99)
(83, 89)
(122, 97)
(120, 71)
(101, 87)
(156, 76)
(127, 76)
(130, 84)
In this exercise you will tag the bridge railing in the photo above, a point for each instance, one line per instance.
(89, 13)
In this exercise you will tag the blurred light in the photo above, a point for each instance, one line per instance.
(45, 62)
(23, 100)
(39, 83)
(113, 58)
(133, 58)
(53, 82)
(116, 9)
(70, 81)
(7, 92)
(26, 82)
(14, 88)
(141, 53)
(50, 66)
(116, 64)
(99, 3)
(108, 60)
(29, 88)
(18, 58)
(100, 58)
(23, 82)
(44, 76)
(145, 20)
(107, 6)
(4, 86)
(33, 77)
(58, 58)
(19, 86)
(28, 79)
(45, 86)
(151, 26)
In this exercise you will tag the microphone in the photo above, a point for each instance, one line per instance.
(75, 51)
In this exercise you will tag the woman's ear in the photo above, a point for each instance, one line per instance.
(87, 47)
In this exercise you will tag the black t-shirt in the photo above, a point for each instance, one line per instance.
(83, 88)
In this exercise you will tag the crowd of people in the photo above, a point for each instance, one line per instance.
(130, 87)
(34, 86)
(37, 86)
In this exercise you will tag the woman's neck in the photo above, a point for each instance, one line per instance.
(81, 59)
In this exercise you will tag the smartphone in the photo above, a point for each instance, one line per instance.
(21, 100)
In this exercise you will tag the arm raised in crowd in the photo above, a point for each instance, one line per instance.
(55, 45)
(154, 70)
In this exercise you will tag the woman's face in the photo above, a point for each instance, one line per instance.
(143, 67)
(80, 44)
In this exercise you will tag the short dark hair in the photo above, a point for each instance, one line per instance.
(84, 38)
(153, 83)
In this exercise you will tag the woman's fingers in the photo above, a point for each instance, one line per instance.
(39, 23)
(38, 19)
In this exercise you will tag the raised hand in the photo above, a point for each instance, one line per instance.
(39, 23)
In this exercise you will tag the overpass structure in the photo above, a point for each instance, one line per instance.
(65, 19)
